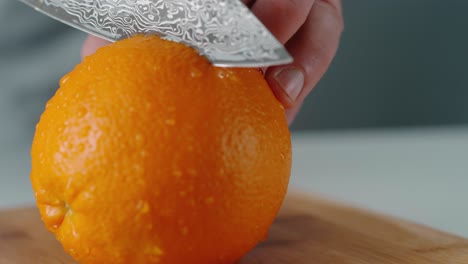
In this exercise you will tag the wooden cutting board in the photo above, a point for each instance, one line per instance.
(308, 230)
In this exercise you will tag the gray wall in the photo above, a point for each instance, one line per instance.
(35, 52)
(401, 63)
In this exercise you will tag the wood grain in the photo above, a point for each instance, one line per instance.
(308, 230)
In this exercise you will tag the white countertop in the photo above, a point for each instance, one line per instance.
(419, 174)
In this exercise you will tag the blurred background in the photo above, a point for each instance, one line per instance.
(401, 65)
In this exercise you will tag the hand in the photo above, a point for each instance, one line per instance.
(310, 30)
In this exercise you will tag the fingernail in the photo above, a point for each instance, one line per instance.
(291, 81)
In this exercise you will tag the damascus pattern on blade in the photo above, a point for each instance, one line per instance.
(222, 30)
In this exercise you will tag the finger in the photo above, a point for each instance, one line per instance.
(292, 113)
(91, 44)
(336, 4)
(248, 3)
(313, 49)
(282, 17)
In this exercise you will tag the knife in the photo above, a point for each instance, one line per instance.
(226, 32)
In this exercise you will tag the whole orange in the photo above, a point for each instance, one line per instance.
(149, 154)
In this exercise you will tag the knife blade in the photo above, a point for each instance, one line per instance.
(226, 32)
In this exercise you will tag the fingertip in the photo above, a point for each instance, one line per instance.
(248, 3)
(287, 84)
(292, 113)
(91, 44)
(313, 49)
(336, 4)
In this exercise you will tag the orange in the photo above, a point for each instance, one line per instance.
(147, 153)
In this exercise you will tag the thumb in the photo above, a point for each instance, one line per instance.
(91, 44)
(313, 48)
